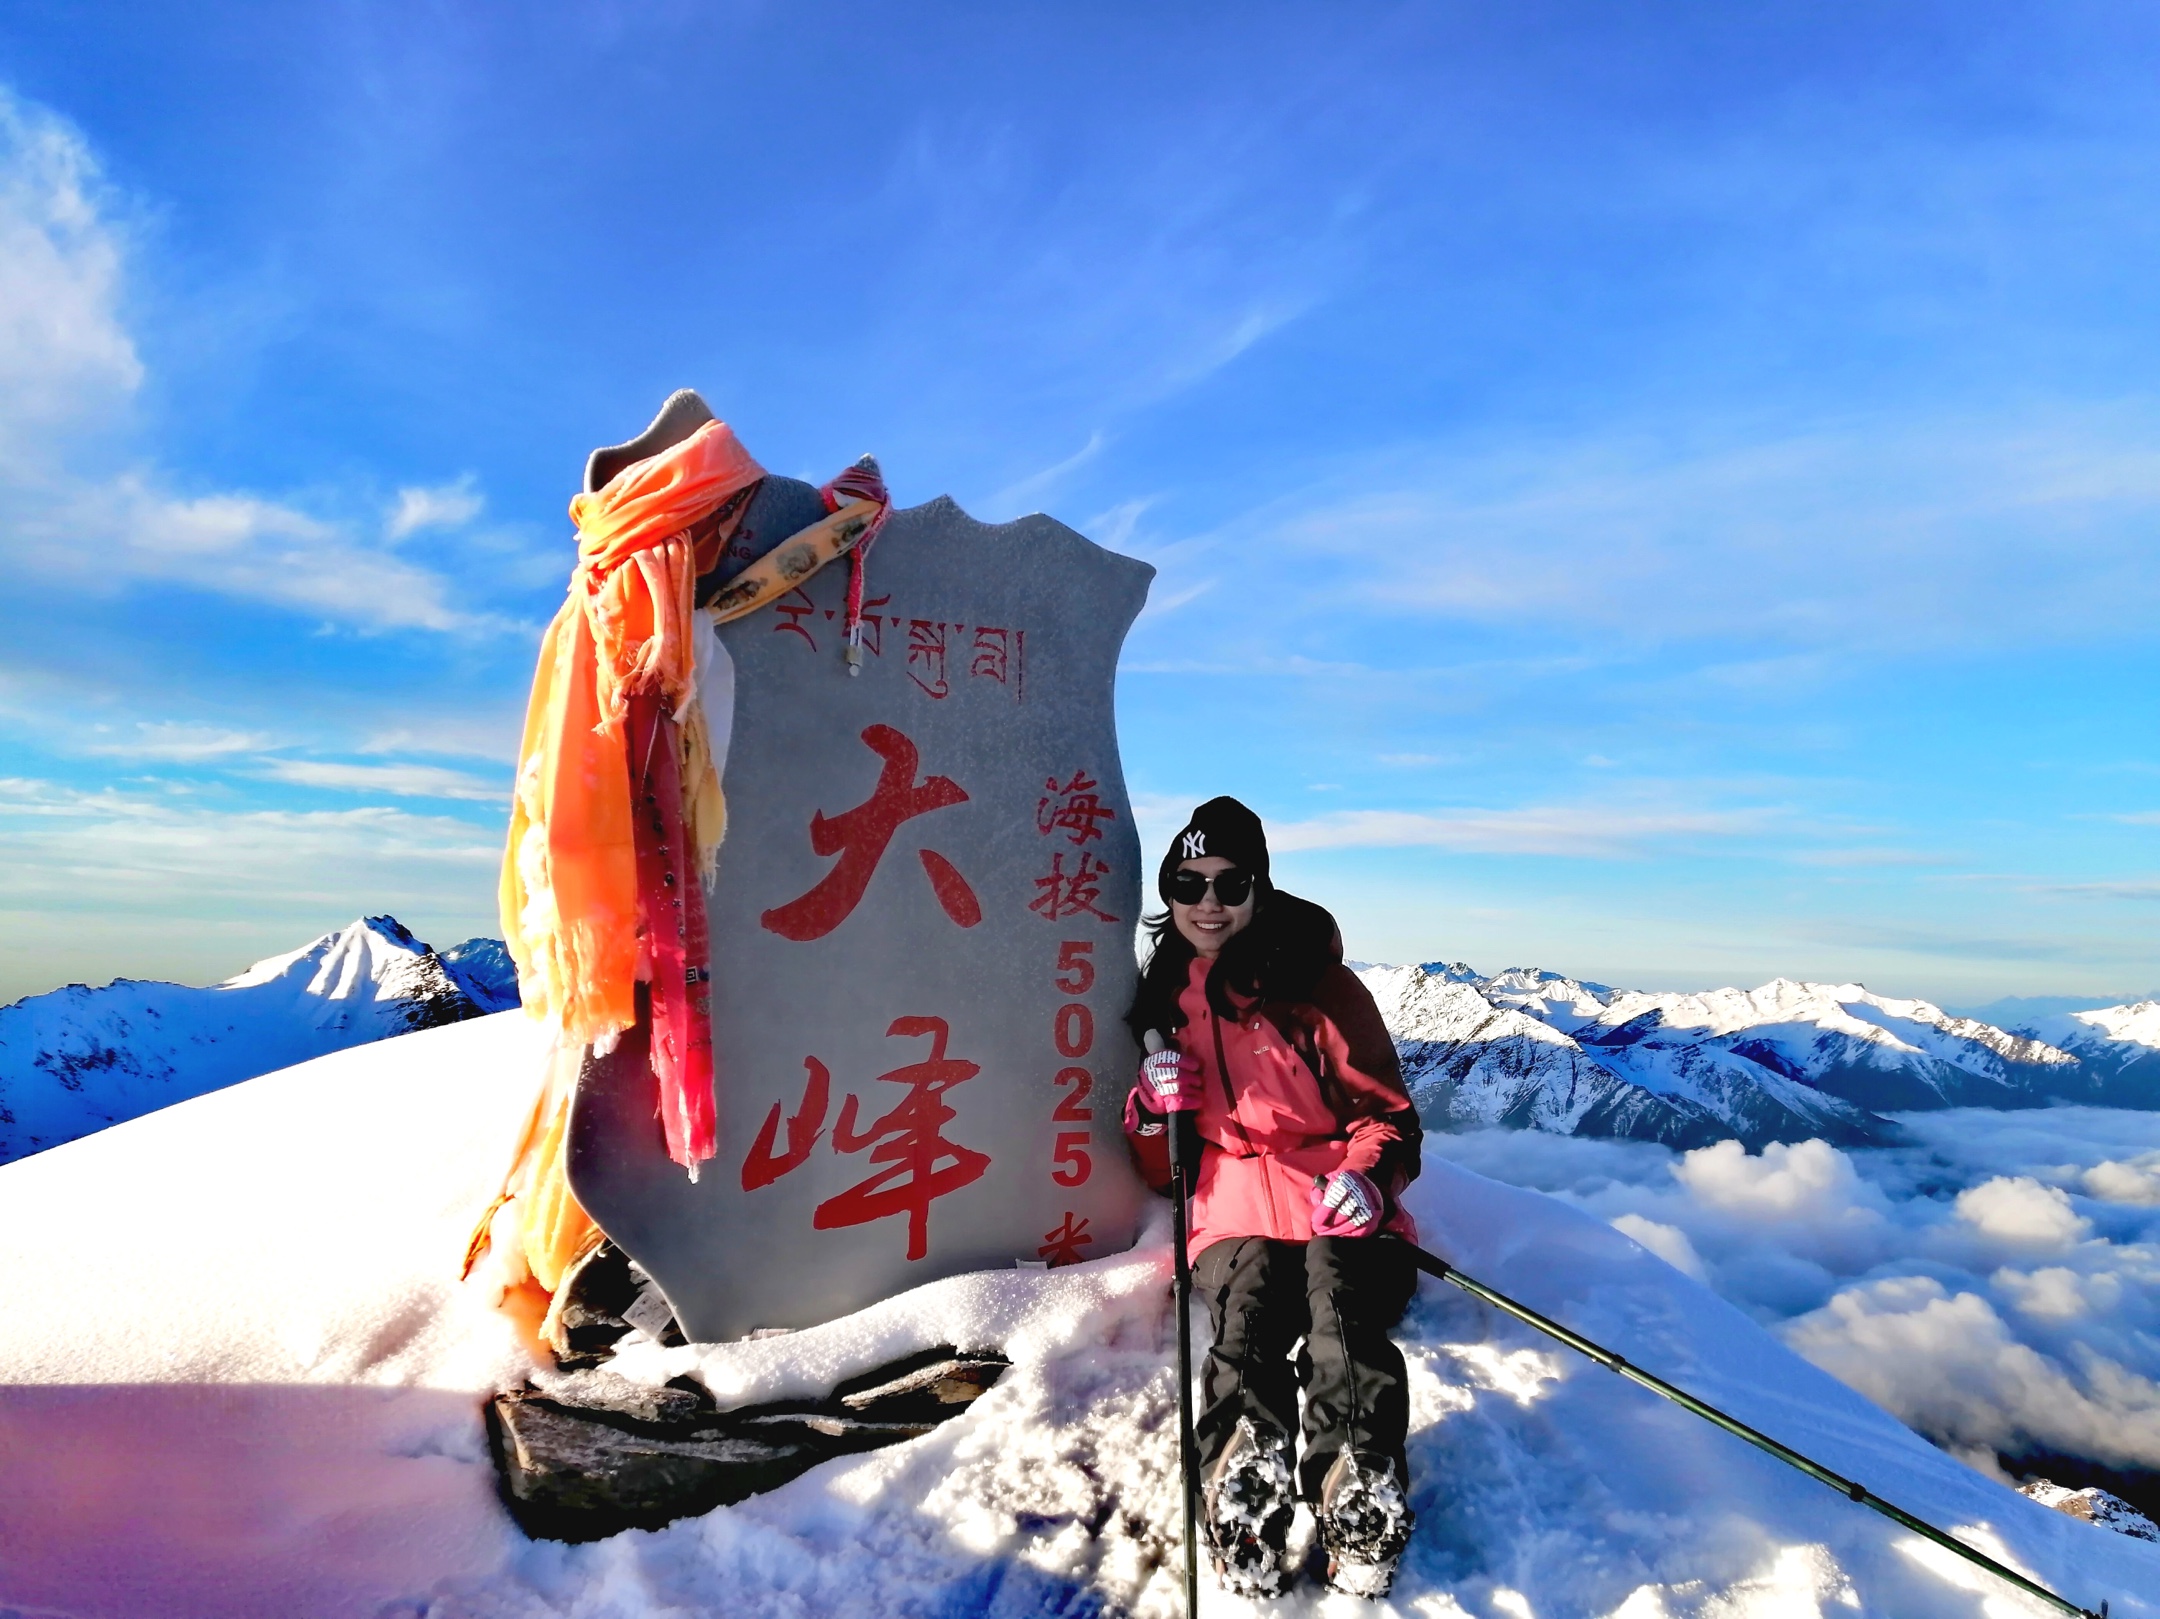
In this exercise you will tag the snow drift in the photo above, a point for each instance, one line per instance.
(79, 1059)
(236, 1378)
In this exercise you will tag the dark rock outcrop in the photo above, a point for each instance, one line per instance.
(596, 1454)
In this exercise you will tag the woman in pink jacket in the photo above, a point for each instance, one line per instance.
(1305, 1141)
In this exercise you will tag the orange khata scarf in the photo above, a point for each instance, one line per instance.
(618, 812)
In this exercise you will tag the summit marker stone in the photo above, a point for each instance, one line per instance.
(922, 941)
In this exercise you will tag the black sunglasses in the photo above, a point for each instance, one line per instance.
(1187, 887)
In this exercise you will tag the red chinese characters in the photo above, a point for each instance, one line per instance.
(1062, 1246)
(919, 1164)
(860, 837)
(1060, 894)
(804, 1126)
(1073, 808)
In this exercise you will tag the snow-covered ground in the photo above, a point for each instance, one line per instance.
(78, 1059)
(238, 1378)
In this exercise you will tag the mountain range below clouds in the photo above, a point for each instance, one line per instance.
(1788, 1061)
(1525, 1048)
(78, 1059)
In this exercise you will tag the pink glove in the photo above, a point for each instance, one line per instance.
(1170, 1082)
(1345, 1204)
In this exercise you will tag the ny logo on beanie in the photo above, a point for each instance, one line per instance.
(1195, 845)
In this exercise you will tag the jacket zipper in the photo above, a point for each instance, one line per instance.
(1222, 1069)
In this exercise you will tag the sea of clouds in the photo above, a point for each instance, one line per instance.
(1995, 1283)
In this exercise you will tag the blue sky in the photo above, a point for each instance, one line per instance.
(1668, 493)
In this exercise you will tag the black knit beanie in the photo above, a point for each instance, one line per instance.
(1221, 827)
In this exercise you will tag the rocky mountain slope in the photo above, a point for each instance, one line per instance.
(78, 1059)
(1783, 1062)
(2118, 1045)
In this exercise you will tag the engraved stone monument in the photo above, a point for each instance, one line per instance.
(922, 936)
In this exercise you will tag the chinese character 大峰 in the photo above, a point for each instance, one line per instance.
(920, 1165)
(860, 836)
(804, 1126)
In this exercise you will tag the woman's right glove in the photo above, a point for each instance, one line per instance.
(1170, 1082)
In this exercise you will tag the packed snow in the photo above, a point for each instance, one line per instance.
(237, 1377)
(79, 1059)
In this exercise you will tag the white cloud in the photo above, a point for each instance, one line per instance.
(1883, 534)
(2057, 1293)
(68, 370)
(399, 780)
(1949, 1365)
(182, 884)
(2135, 1182)
(1583, 831)
(63, 349)
(449, 505)
(177, 742)
(75, 847)
(1808, 1180)
(129, 530)
(1961, 1281)
(1035, 483)
(2018, 1212)
(1113, 530)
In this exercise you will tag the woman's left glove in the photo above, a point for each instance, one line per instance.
(1346, 1204)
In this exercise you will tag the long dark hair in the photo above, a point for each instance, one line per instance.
(1278, 956)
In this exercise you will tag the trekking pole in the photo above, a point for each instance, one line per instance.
(1181, 1268)
(1435, 1266)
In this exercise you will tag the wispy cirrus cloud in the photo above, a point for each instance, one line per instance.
(1576, 831)
(1036, 483)
(145, 880)
(398, 780)
(64, 351)
(69, 371)
(450, 505)
(2144, 889)
(1942, 532)
(178, 742)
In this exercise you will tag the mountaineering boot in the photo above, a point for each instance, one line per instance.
(1249, 1500)
(1365, 1523)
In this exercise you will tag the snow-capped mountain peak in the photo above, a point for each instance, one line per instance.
(1782, 1061)
(78, 1059)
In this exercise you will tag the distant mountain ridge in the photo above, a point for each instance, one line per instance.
(1786, 1061)
(77, 1059)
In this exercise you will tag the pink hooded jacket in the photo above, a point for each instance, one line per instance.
(1293, 1091)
